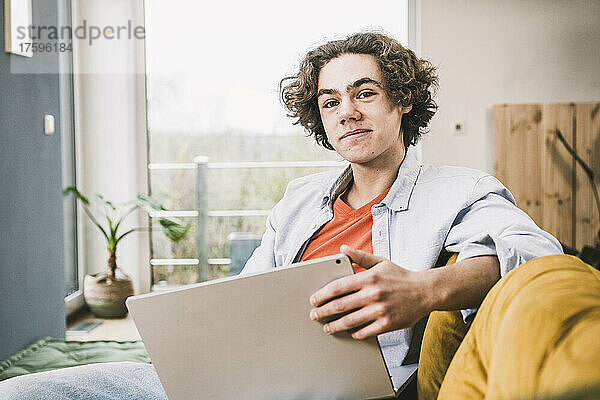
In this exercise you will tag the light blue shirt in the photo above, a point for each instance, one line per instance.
(427, 210)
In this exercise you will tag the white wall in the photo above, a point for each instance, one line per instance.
(511, 51)
(111, 131)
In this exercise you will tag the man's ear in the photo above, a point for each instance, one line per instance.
(405, 110)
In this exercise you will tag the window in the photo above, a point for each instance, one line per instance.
(73, 276)
(212, 77)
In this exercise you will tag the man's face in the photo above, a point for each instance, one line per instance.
(360, 121)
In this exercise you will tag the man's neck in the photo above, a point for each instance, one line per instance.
(369, 181)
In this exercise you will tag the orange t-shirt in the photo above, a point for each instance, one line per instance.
(348, 226)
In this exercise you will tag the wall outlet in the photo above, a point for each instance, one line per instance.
(458, 128)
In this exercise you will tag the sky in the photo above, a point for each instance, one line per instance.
(216, 67)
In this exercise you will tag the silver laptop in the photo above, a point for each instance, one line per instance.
(250, 337)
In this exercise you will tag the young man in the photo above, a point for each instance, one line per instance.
(369, 99)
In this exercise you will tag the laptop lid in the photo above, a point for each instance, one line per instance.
(250, 337)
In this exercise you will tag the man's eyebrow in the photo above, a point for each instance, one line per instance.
(362, 81)
(326, 91)
(351, 86)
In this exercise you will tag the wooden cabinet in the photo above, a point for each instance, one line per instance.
(540, 172)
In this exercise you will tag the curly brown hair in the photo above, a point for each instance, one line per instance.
(407, 80)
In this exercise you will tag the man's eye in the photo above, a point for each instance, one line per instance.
(365, 94)
(330, 103)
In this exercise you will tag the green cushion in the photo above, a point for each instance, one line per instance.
(49, 354)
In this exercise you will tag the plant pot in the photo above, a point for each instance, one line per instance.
(106, 297)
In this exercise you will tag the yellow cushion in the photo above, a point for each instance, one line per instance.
(443, 334)
(536, 334)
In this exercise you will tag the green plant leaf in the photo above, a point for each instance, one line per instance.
(125, 234)
(174, 229)
(86, 207)
(112, 228)
(107, 203)
(89, 214)
(148, 203)
(132, 209)
(106, 207)
(73, 190)
(112, 244)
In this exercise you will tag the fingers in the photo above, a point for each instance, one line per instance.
(338, 306)
(337, 288)
(362, 296)
(364, 259)
(375, 328)
(352, 320)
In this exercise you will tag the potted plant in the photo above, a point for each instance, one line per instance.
(105, 293)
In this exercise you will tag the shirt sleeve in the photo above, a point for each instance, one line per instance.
(263, 257)
(492, 224)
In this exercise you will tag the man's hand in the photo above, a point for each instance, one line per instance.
(382, 299)
(388, 297)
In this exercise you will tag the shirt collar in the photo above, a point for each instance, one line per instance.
(397, 198)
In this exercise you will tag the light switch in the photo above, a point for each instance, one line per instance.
(48, 124)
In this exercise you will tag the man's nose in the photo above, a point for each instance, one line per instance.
(348, 112)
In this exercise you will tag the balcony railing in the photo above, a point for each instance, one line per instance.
(202, 165)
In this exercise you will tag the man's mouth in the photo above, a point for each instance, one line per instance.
(354, 133)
